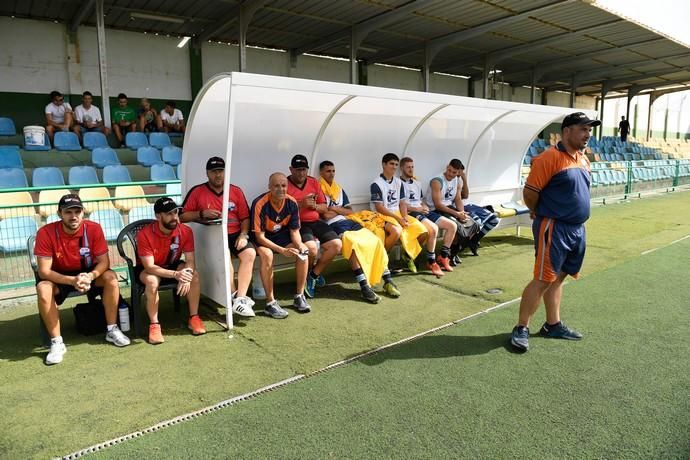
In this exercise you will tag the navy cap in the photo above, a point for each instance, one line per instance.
(299, 161)
(214, 163)
(165, 204)
(578, 118)
(70, 201)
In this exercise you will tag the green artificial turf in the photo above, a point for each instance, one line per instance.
(100, 392)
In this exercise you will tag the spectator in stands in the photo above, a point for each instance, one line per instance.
(204, 203)
(433, 221)
(557, 195)
(374, 258)
(160, 246)
(124, 119)
(312, 202)
(72, 255)
(444, 196)
(486, 219)
(149, 120)
(173, 121)
(624, 129)
(388, 199)
(59, 116)
(88, 117)
(275, 224)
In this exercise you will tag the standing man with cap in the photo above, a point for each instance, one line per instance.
(204, 203)
(160, 246)
(72, 255)
(306, 190)
(557, 194)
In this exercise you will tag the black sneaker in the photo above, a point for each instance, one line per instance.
(369, 295)
(559, 331)
(455, 261)
(519, 338)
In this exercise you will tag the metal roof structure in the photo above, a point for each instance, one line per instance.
(553, 44)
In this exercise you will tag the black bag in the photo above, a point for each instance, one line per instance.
(463, 236)
(90, 317)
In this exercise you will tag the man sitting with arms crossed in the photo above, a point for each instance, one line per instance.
(486, 219)
(160, 246)
(72, 255)
(275, 223)
(312, 202)
(203, 203)
(430, 219)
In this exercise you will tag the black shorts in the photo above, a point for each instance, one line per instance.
(140, 268)
(64, 290)
(317, 230)
(232, 239)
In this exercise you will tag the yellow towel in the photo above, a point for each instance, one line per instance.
(330, 190)
(370, 252)
(375, 222)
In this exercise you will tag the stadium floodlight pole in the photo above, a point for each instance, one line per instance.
(102, 62)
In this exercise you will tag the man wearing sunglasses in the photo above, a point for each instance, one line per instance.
(59, 116)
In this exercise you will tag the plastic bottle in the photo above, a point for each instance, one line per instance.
(123, 312)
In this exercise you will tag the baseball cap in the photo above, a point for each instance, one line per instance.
(578, 118)
(299, 161)
(165, 204)
(215, 163)
(70, 201)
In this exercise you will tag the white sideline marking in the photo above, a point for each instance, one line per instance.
(649, 251)
(273, 386)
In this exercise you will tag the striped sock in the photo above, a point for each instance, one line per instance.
(361, 279)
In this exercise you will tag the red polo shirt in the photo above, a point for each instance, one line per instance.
(202, 197)
(53, 241)
(152, 242)
(310, 186)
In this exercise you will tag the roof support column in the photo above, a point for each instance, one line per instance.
(102, 62)
(247, 11)
(573, 88)
(353, 58)
(533, 89)
(485, 78)
(196, 78)
(426, 70)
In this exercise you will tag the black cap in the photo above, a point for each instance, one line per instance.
(70, 201)
(578, 118)
(165, 204)
(215, 163)
(299, 161)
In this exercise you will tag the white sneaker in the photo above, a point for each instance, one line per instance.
(116, 337)
(242, 307)
(258, 291)
(57, 351)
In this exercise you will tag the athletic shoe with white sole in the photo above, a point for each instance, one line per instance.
(116, 337)
(243, 306)
(274, 310)
(559, 331)
(300, 304)
(369, 295)
(519, 338)
(57, 351)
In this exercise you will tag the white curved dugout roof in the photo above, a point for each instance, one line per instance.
(259, 122)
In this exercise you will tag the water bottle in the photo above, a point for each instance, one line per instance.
(123, 312)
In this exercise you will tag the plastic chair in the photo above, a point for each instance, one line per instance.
(162, 172)
(67, 141)
(116, 174)
(104, 156)
(50, 196)
(12, 178)
(130, 196)
(83, 175)
(136, 140)
(47, 176)
(14, 233)
(93, 140)
(10, 157)
(7, 127)
(178, 171)
(95, 199)
(23, 202)
(110, 220)
(147, 156)
(128, 237)
(172, 155)
(159, 140)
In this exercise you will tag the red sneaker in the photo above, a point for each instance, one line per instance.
(155, 334)
(444, 262)
(196, 325)
(435, 269)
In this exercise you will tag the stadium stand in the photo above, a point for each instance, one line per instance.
(48, 200)
(148, 156)
(66, 141)
(110, 220)
(159, 140)
(96, 198)
(172, 155)
(47, 176)
(162, 172)
(12, 178)
(116, 174)
(14, 233)
(136, 140)
(104, 156)
(7, 127)
(10, 157)
(82, 175)
(130, 196)
(94, 140)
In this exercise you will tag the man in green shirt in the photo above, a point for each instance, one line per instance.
(124, 118)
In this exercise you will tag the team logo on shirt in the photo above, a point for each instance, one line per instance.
(84, 252)
(412, 197)
(174, 246)
(449, 193)
(391, 198)
(231, 206)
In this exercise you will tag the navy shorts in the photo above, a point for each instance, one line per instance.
(418, 215)
(345, 225)
(559, 247)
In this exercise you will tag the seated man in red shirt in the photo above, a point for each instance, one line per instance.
(160, 245)
(72, 255)
(306, 190)
(203, 203)
(275, 224)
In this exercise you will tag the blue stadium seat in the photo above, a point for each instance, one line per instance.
(116, 174)
(9, 157)
(172, 155)
(162, 172)
(140, 213)
(104, 156)
(44, 147)
(14, 232)
(7, 127)
(12, 178)
(48, 176)
(159, 140)
(94, 140)
(174, 191)
(111, 222)
(178, 171)
(147, 156)
(82, 175)
(136, 140)
(67, 141)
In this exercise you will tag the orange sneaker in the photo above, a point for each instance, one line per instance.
(155, 334)
(444, 262)
(196, 325)
(435, 269)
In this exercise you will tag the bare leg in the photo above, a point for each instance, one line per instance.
(111, 295)
(301, 269)
(552, 300)
(393, 233)
(46, 291)
(244, 273)
(313, 251)
(449, 228)
(330, 250)
(432, 230)
(531, 297)
(151, 282)
(266, 270)
(194, 294)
